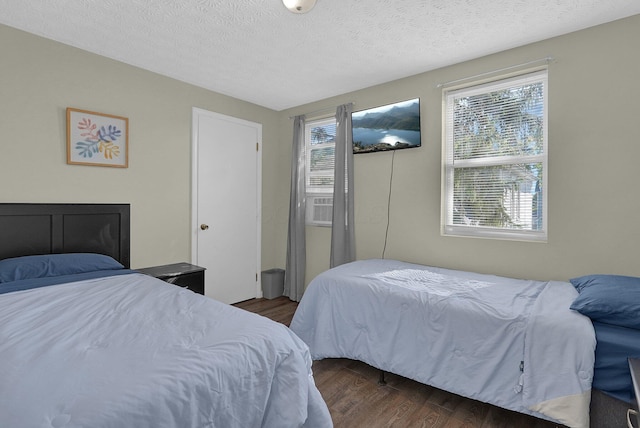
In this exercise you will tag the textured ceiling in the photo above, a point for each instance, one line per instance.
(257, 51)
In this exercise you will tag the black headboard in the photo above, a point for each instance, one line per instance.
(29, 229)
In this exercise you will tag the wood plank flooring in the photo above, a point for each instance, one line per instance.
(351, 391)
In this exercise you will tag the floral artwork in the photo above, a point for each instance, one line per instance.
(96, 139)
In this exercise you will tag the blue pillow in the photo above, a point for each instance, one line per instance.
(610, 299)
(29, 267)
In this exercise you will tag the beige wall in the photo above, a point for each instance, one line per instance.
(594, 149)
(39, 79)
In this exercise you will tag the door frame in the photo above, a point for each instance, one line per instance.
(195, 115)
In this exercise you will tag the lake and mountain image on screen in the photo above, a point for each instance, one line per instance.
(391, 127)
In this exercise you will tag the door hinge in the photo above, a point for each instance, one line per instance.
(257, 147)
(256, 277)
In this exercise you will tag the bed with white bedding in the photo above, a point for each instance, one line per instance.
(86, 342)
(512, 343)
(133, 351)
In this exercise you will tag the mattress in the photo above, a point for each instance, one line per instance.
(134, 351)
(512, 343)
(615, 346)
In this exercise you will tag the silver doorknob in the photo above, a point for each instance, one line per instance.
(204, 226)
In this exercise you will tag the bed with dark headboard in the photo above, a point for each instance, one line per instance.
(27, 229)
(85, 341)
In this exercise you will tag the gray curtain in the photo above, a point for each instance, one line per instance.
(296, 244)
(342, 231)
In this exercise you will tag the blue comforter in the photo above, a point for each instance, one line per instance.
(512, 343)
(134, 351)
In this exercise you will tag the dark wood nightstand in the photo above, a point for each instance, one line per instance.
(182, 274)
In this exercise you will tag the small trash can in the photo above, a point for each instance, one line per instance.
(272, 283)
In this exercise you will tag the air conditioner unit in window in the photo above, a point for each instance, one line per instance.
(320, 210)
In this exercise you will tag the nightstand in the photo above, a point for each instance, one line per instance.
(182, 274)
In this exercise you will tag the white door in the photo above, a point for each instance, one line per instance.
(226, 204)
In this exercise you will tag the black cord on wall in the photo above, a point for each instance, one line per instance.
(386, 234)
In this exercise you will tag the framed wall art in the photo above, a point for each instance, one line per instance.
(97, 139)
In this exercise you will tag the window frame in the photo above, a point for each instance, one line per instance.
(320, 192)
(448, 228)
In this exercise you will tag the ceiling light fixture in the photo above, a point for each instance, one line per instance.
(299, 6)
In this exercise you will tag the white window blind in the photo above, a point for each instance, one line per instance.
(495, 159)
(320, 139)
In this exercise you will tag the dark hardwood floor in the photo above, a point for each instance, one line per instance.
(351, 391)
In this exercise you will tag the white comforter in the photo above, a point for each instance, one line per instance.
(512, 343)
(133, 351)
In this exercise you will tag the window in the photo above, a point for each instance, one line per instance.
(495, 159)
(320, 141)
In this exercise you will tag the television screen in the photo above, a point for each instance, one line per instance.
(390, 127)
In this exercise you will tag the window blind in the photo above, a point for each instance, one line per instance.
(321, 155)
(495, 159)
(320, 140)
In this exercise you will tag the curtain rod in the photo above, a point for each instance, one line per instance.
(547, 60)
(322, 110)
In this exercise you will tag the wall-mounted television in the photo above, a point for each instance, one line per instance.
(390, 127)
